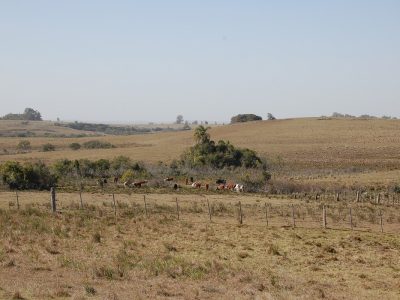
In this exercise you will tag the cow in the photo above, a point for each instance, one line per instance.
(220, 181)
(207, 186)
(116, 179)
(196, 185)
(127, 183)
(191, 180)
(175, 186)
(168, 179)
(187, 181)
(239, 188)
(139, 183)
(230, 186)
(220, 187)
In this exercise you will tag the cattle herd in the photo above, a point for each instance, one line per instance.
(220, 184)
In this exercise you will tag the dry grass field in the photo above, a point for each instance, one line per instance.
(338, 151)
(92, 254)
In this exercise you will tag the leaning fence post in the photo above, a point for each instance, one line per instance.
(16, 193)
(145, 205)
(53, 199)
(378, 199)
(115, 206)
(80, 196)
(266, 213)
(324, 216)
(337, 197)
(381, 219)
(351, 219)
(240, 213)
(209, 209)
(293, 218)
(177, 207)
(358, 196)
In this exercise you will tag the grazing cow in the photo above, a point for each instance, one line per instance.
(220, 181)
(127, 183)
(221, 187)
(191, 180)
(175, 186)
(196, 185)
(101, 181)
(139, 183)
(169, 179)
(116, 179)
(187, 181)
(207, 186)
(239, 188)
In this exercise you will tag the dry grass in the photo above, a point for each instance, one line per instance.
(90, 254)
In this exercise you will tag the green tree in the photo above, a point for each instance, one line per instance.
(31, 114)
(24, 146)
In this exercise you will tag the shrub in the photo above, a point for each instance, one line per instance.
(48, 147)
(75, 146)
(245, 118)
(96, 144)
(24, 146)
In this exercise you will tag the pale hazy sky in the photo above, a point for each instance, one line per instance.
(208, 60)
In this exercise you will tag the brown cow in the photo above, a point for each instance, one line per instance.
(116, 179)
(139, 183)
(207, 186)
(230, 186)
(169, 179)
(221, 187)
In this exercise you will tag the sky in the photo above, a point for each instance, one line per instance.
(142, 61)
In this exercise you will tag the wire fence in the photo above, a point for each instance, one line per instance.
(238, 210)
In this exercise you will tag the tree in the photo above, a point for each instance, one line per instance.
(48, 147)
(75, 146)
(245, 118)
(31, 114)
(179, 119)
(201, 136)
(270, 117)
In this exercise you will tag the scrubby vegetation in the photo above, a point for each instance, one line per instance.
(219, 154)
(95, 144)
(48, 147)
(29, 114)
(245, 118)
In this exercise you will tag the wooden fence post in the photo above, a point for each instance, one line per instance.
(240, 213)
(381, 219)
(16, 193)
(53, 199)
(324, 216)
(293, 218)
(358, 196)
(351, 219)
(177, 207)
(115, 206)
(266, 213)
(209, 209)
(80, 196)
(337, 197)
(145, 205)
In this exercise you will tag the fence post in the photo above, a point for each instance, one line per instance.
(266, 213)
(177, 207)
(209, 209)
(351, 219)
(358, 196)
(324, 216)
(115, 206)
(145, 205)
(378, 199)
(337, 197)
(381, 219)
(53, 199)
(293, 218)
(240, 213)
(16, 193)
(80, 196)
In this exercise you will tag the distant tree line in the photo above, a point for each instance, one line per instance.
(29, 114)
(364, 116)
(114, 130)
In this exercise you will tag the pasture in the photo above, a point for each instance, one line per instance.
(341, 152)
(102, 251)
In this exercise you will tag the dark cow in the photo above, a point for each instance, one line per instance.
(207, 186)
(139, 183)
(169, 179)
(116, 179)
(220, 181)
(175, 186)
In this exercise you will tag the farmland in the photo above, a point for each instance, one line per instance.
(153, 242)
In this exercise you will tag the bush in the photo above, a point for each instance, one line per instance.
(27, 176)
(48, 147)
(96, 144)
(75, 146)
(24, 146)
(245, 118)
